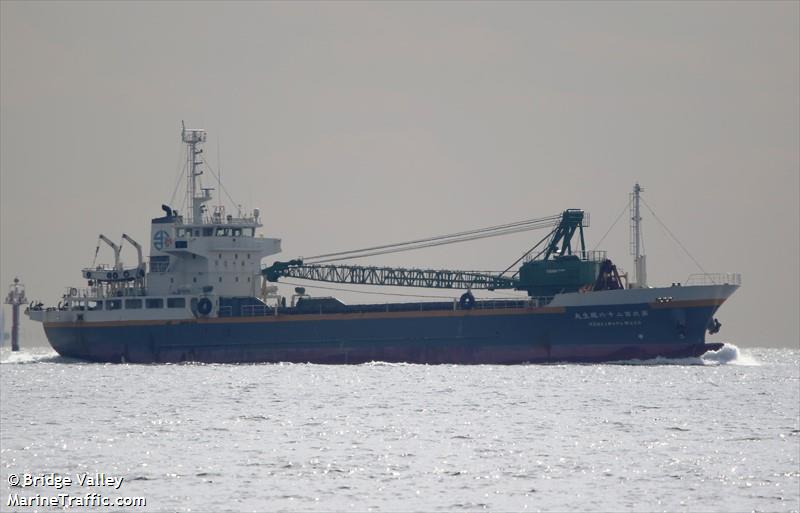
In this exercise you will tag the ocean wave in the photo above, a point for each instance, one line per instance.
(728, 354)
(25, 356)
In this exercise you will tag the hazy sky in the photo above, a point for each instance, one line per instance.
(352, 124)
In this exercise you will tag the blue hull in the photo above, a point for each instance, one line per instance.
(502, 336)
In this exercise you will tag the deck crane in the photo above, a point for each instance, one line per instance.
(391, 276)
(116, 247)
(556, 267)
(118, 273)
(139, 258)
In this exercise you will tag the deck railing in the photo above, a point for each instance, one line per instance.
(490, 304)
(714, 279)
(257, 310)
(594, 255)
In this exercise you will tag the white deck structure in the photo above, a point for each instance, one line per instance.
(195, 259)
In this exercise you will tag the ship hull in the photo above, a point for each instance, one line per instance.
(584, 333)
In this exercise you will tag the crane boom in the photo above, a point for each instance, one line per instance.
(557, 267)
(388, 276)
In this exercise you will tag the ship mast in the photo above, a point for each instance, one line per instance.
(194, 202)
(639, 260)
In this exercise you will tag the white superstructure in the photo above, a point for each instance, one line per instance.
(196, 258)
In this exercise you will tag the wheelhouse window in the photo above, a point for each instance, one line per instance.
(208, 232)
(159, 264)
(154, 302)
(223, 232)
(113, 304)
(248, 232)
(176, 302)
(133, 304)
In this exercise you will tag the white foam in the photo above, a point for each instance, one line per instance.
(28, 356)
(660, 360)
(378, 363)
(729, 354)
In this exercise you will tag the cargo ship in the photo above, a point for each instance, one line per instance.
(203, 295)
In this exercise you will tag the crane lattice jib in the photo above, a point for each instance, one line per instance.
(536, 269)
(388, 276)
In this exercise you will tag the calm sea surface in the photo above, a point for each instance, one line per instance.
(721, 433)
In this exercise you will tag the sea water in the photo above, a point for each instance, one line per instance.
(718, 433)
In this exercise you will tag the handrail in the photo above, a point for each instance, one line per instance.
(714, 279)
(590, 255)
(484, 304)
